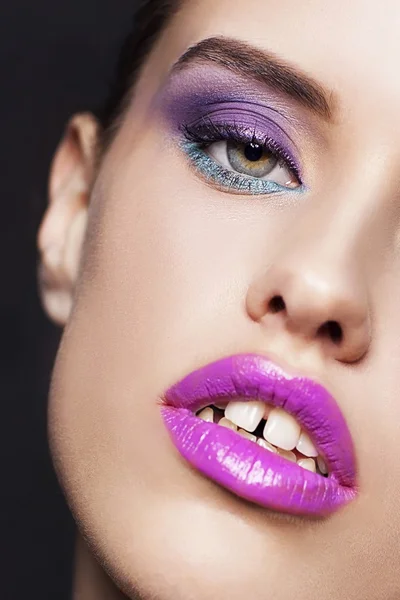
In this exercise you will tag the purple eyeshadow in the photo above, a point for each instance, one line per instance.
(253, 123)
(203, 96)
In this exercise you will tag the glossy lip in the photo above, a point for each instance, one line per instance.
(242, 466)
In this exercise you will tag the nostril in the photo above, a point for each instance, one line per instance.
(276, 304)
(333, 330)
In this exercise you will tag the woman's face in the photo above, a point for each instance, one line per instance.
(248, 205)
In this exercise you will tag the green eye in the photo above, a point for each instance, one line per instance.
(250, 159)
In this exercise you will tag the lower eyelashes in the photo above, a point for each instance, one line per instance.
(222, 173)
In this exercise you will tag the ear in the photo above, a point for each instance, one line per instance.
(63, 228)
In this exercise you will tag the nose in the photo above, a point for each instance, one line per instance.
(318, 296)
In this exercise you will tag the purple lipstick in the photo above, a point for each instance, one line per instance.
(246, 468)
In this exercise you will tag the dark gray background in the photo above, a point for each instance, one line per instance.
(55, 58)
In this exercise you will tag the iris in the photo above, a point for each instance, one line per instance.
(251, 159)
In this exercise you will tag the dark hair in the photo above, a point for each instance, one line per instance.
(150, 18)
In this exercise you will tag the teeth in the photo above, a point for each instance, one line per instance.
(224, 422)
(282, 433)
(247, 435)
(305, 445)
(247, 415)
(307, 463)
(287, 454)
(282, 429)
(207, 415)
(266, 445)
(322, 466)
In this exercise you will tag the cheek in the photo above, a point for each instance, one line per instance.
(378, 406)
(176, 257)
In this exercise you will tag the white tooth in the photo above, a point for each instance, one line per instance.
(224, 422)
(266, 445)
(287, 454)
(307, 463)
(247, 415)
(305, 445)
(322, 466)
(247, 435)
(207, 415)
(282, 429)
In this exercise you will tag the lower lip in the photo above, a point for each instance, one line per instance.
(251, 472)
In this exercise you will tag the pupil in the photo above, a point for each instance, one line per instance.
(253, 152)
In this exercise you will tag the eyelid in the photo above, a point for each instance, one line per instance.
(207, 131)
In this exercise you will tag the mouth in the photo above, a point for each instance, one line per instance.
(272, 438)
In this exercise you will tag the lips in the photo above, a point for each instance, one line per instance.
(247, 469)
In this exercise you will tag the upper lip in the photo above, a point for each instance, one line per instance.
(252, 376)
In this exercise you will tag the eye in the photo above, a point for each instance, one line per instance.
(253, 160)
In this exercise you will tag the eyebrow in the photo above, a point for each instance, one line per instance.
(264, 67)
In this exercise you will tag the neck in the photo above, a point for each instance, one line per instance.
(90, 580)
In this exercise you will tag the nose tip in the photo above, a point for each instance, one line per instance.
(319, 308)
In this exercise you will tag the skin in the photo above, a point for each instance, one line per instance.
(176, 273)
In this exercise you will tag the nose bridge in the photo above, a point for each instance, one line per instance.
(327, 248)
(340, 224)
(317, 282)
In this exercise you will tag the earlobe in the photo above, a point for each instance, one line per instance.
(63, 228)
